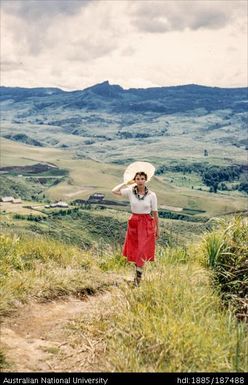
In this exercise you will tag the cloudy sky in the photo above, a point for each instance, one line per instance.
(73, 44)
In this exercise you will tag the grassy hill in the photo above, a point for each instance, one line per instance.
(110, 124)
(175, 321)
(87, 176)
(189, 313)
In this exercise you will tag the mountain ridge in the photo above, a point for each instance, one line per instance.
(115, 99)
(107, 83)
(107, 122)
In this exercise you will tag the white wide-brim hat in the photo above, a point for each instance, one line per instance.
(131, 170)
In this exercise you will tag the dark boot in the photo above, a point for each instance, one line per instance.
(137, 278)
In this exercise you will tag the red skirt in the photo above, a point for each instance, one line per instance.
(139, 245)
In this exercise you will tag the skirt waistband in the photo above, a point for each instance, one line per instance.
(141, 217)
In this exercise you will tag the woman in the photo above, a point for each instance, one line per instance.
(143, 229)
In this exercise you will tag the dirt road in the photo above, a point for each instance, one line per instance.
(39, 336)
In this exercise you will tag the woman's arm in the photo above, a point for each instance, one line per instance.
(157, 230)
(117, 189)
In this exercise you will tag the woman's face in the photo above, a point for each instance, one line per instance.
(140, 180)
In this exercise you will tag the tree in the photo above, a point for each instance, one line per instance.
(213, 187)
(223, 186)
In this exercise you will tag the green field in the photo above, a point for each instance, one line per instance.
(86, 176)
(176, 321)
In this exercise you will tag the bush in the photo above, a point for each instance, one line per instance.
(226, 251)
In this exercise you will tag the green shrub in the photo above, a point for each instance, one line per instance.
(226, 251)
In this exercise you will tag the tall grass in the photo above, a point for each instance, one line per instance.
(38, 268)
(41, 268)
(226, 252)
(3, 362)
(173, 322)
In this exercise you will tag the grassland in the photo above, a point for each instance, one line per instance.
(94, 228)
(178, 319)
(175, 321)
(99, 134)
(87, 176)
(41, 268)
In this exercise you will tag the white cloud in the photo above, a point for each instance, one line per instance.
(134, 44)
(36, 9)
(163, 16)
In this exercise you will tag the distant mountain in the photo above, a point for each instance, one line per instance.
(116, 99)
(107, 122)
(18, 93)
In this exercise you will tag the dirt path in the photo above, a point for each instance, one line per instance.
(39, 336)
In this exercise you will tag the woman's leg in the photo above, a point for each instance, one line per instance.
(138, 275)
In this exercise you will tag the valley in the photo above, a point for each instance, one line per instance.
(62, 229)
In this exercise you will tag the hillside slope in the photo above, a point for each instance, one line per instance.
(106, 122)
(175, 321)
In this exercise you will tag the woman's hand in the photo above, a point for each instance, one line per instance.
(130, 182)
(157, 233)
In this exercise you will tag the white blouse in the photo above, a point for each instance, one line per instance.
(144, 206)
